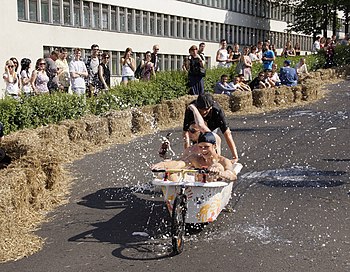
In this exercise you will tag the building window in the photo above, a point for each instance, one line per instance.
(159, 25)
(45, 18)
(145, 22)
(104, 17)
(130, 22)
(122, 19)
(113, 18)
(21, 9)
(151, 24)
(96, 16)
(77, 14)
(33, 10)
(138, 21)
(172, 26)
(166, 26)
(87, 15)
(66, 12)
(56, 13)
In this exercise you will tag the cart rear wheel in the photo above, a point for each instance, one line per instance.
(178, 223)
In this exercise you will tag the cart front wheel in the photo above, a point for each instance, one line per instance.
(178, 223)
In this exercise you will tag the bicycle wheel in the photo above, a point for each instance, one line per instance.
(178, 223)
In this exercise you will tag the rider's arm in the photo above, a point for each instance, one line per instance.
(198, 118)
(169, 165)
(231, 144)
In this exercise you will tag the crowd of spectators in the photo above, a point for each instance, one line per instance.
(92, 75)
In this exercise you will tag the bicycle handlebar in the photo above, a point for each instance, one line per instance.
(196, 170)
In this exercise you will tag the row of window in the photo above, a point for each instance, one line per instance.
(86, 14)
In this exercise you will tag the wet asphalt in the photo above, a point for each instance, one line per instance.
(291, 204)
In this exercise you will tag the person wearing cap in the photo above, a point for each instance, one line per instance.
(288, 75)
(214, 116)
(218, 166)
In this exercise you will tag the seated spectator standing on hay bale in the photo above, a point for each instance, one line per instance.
(288, 75)
(196, 71)
(223, 87)
(219, 167)
(215, 118)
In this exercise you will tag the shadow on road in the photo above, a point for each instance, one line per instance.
(139, 226)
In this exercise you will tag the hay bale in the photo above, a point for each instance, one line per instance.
(177, 107)
(263, 97)
(119, 124)
(162, 115)
(76, 130)
(96, 129)
(284, 95)
(224, 101)
(310, 90)
(143, 120)
(297, 92)
(241, 100)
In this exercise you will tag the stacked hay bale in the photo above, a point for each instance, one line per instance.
(284, 95)
(241, 101)
(263, 98)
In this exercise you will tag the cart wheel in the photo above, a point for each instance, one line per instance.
(178, 223)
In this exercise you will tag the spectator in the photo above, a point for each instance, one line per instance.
(201, 48)
(147, 68)
(215, 118)
(229, 56)
(297, 49)
(25, 76)
(246, 64)
(155, 57)
(51, 71)
(259, 51)
(252, 54)
(78, 73)
(334, 40)
(239, 85)
(92, 63)
(196, 72)
(322, 42)
(16, 64)
(301, 68)
(316, 45)
(258, 82)
(63, 70)
(222, 54)
(11, 80)
(288, 50)
(346, 39)
(288, 75)
(128, 66)
(275, 77)
(268, 57)
(329, 48)
(40, 79)
(273, 49)
(269, 82)
(104, 74)
(223, 87)
(236, 55)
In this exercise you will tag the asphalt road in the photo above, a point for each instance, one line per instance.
(291, 205)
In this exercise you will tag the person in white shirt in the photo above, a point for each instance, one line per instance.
(222, 54)
(301, 67)
(78, 73)
(316, 45)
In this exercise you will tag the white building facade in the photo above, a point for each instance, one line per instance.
(32, 28)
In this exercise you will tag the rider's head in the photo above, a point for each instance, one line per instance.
(204, 103)
(207, 144)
